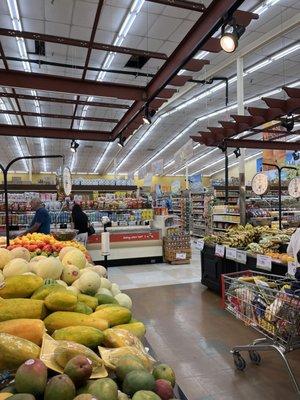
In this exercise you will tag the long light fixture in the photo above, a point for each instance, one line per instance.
(202, 95)
(102, 158)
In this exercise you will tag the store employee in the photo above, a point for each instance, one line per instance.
(41, 220)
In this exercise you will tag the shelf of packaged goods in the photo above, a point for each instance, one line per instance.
(197, 234)
(125, 210)
(220, 229)
(197, 212)
(224, 213)
(75, 188)
(226, 222)
(198, 208)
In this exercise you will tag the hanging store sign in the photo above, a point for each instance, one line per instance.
(260, 184)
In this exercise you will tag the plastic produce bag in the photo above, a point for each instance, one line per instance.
(120, 338)
(56, 353)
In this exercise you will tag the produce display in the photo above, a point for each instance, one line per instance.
(67, 332)
(256, 240)
(40, 244)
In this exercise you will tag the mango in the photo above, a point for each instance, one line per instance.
(164, 371)
(60, 387)
(104, 389)
(79, 369)
(31, 377)
(20, 286)
(138, 380)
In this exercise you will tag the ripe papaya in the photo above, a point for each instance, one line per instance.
(21, 308)
(61, 300)
(63, 319)
(14, 351)
(114, 315)
(86, 335)
(30, 329)
(137, 328)
(20, 286)
(90, 301)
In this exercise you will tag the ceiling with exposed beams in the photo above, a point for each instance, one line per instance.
(156, 28)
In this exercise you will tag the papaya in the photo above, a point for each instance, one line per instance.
(90, 301)
(63, 319)
(118, 338)
(30, 329)
(61, 300)
(109, 305)
(82, 308)
(20, 286)
(21, 308)
(114, 315)
(137, 328)
(86, 335)
(14, 351)
(5, 395)
(42, 292)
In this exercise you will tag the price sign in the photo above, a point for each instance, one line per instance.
(199, 244)
(241, 256)
(264, 262)
(219, 250)
(230, 253)
(180, 256)
(292, 266)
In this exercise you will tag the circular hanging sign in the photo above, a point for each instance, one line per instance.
(294, 187)
(67, 181)
(260, 184)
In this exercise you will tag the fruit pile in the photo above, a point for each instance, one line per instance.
(40, 244)
(67, 333)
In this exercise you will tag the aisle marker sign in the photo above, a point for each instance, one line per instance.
(264, 262)
(292, 266)
(219, 250)
(241, 256)
(230, 253)
(180, 256)
(200, 244)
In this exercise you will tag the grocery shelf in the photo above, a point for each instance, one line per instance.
(75, 188)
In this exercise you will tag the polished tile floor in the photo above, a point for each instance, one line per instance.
(161, 274)
(188, 329)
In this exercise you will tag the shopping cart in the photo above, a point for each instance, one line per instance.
(268, 304)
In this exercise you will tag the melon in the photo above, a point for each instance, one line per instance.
(104, 291)
(101, 271)
(16, 266)
(74, 257)
(105, 283)
(64, 251)
(88, 283)
(20, 252)
(34, 260)
(124, 300)
(70, 274)
(51, 267)
(115, 289)
(61, 283)
(73, 289)
(1, 278)
(5, 257)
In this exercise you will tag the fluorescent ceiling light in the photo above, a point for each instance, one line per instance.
(236, 163)
(286, 52)
(258, 66)
(108, 147)
(169, 164)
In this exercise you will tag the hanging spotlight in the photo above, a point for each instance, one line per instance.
(121, 141)
(74, 146)
(222, 146)
(237, 152)
(296, 155)
(230, 39)
(288, 123)
(149, 114)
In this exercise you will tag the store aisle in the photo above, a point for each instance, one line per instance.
(188, 330)
(147, 275)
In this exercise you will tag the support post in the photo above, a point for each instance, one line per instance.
(226, 176)
(241, 111)
(186, 176)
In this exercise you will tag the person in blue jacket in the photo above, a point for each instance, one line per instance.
(41, 221)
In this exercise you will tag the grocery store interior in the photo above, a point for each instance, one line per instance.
(150, 159)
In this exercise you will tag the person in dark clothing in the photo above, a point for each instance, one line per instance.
(79, 219)
(41, 221)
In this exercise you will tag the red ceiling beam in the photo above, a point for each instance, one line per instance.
(64, 101)
(54, 133)
(46, 115)
(262, 144)
(195, 65)
(201, 32)
(81, 43)
(186, 5)
(55, 83)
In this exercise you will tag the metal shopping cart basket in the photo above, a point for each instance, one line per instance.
(268, 304)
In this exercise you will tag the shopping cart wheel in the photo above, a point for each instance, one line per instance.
(239, 362)
(255, 357)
